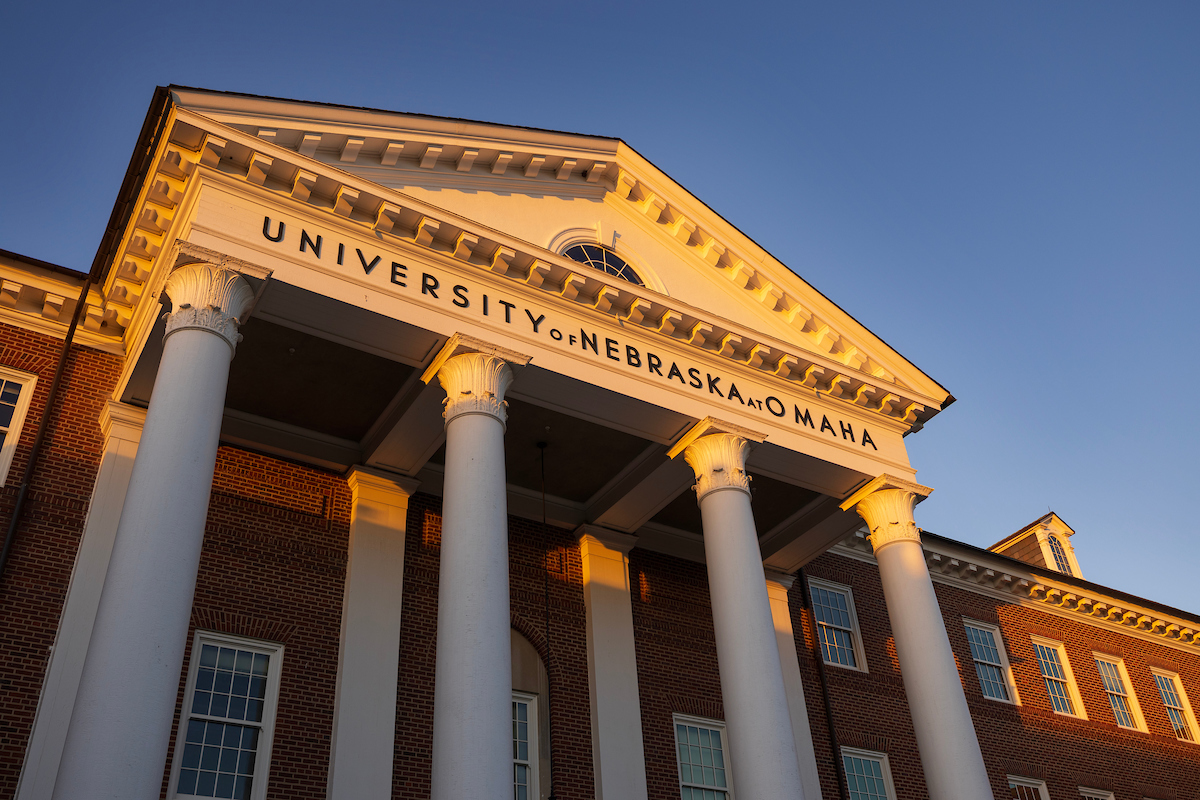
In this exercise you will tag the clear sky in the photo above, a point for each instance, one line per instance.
(1007, 193)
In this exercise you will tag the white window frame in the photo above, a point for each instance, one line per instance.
(262, 760)
(870, 755)
(1188, 716)
(860, 654)
(712, 725)
(1032, 783)
(1095, 794)
(534, 744)
(28, 382)
(1135, 709)
(1072, 686)
(1005, 667)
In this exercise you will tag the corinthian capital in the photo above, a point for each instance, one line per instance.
(719, 461)
(208, 297)
(886, 504)
(475, 383)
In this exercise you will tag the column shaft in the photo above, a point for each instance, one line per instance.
(950, 755)
(618, 755)
(116, 746)
(761, 744)
(472, 717)
(364, 717)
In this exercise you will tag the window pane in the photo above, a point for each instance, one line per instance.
(1174, 705)
(701, 761)
(1055, 677)
(864, 778)
(227, 753)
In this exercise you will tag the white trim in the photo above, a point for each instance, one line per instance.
(1135, 708)
(712, 725)
(1031, 783)
(860, 654)
(1095, 794)
(262, 761)
(1072, 685)
(1005, 667)
(560, 242)
(534, 743)
(13, 433)
(869, 755)
(1188, 715)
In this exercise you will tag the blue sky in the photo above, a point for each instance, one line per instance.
(1009, 194)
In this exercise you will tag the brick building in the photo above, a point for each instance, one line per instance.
(382, 455)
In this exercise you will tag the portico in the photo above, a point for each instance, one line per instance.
(433, 349)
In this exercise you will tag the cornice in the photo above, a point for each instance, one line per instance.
(43, 301)
(198, 146)
(397, 149)
(1002, 582)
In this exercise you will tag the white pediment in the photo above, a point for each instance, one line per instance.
(510, 199)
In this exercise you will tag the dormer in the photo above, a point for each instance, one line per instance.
(1043, 543)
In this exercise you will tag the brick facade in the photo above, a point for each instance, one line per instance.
(274, 563)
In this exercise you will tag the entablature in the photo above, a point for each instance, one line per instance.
(197, 146)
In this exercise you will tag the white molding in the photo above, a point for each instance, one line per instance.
(262, 761)
(535, 744)
(712, 725)
(1032, 783)
(860, 654)
(1188, 714)
(1135, 708)
(1005, 666)
(870, 755)
(1069, 677)
(28, 382)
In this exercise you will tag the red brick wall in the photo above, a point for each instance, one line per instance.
(1029, 739)
(34, 584)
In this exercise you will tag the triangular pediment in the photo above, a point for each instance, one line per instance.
(511, 199)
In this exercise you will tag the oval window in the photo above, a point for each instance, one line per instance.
(603, 259)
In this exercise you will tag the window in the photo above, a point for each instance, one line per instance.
(837, 624)
(1027, 789)
(1095, 794)
(1116, 682)
(991, 662)
(525, 747)
(1060, 683)
(603, 259)
(700, 745)
(16, 389)
(1179, 710)
(1060, 555)
(867, 775)
(223, 748)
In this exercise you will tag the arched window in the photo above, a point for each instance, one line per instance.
(603, 259)
(1060, 556)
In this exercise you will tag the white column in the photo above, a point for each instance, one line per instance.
(778, 585)
(364, 714)
(761, 743)
(122, 428)
(116, 746)
(950, 754)
(618, 755)
(472, 713)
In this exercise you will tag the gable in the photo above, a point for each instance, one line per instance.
(539, 185)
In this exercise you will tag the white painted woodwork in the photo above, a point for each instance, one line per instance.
(946, 739)
(472, 717)
(364, 716)
(793, 685)
(122, 426)
(116, 745)
(761, 743)
(618, 755)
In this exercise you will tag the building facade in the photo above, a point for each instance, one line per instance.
(381, 455)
